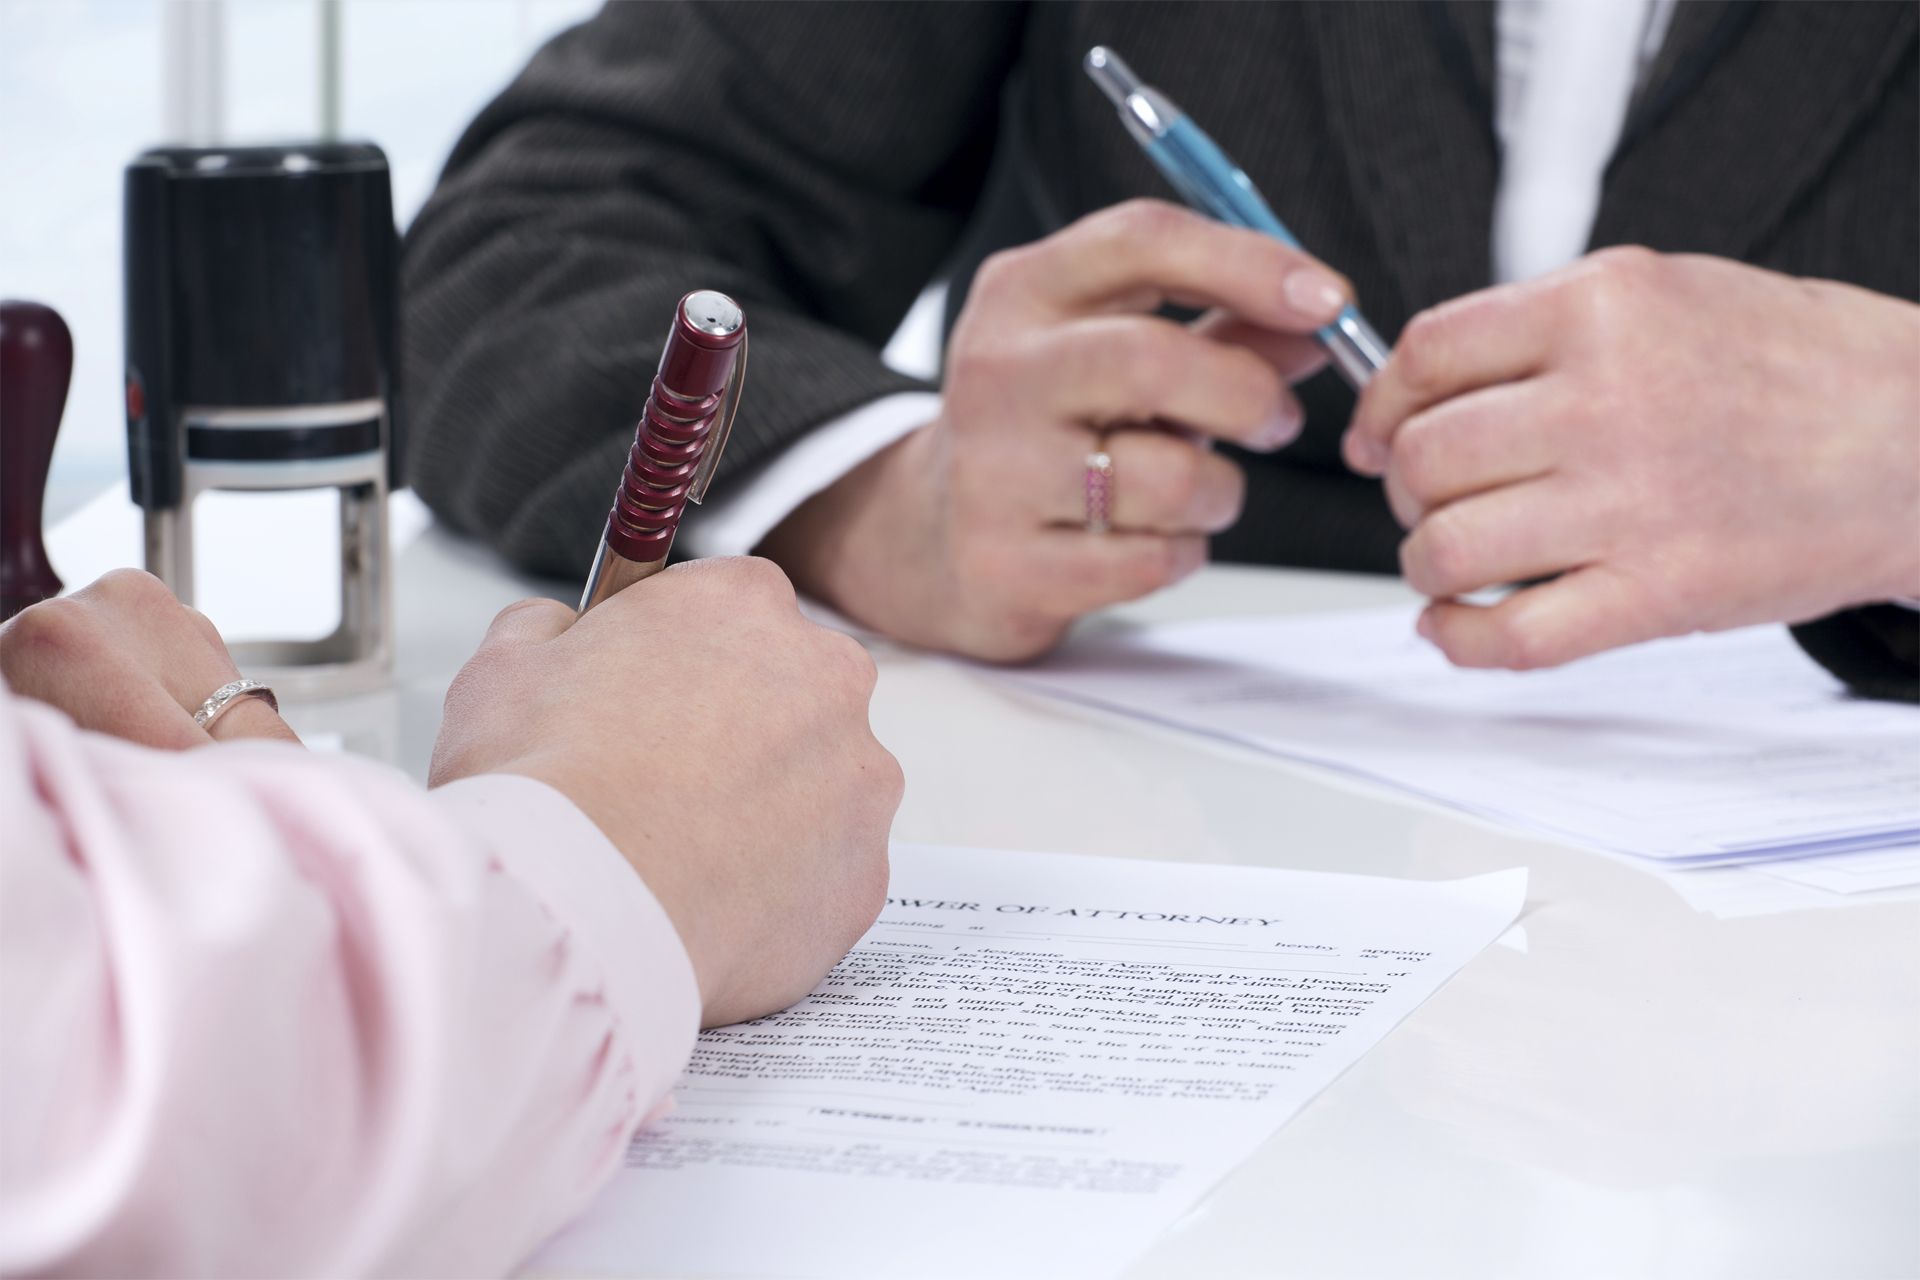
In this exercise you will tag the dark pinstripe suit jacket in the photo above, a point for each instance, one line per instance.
(822, 162)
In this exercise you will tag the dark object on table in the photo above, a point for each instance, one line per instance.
(260, 350)
(36, 364)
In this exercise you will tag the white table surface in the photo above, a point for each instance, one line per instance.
(1645, 1091)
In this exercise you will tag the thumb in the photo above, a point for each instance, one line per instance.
(527, 622)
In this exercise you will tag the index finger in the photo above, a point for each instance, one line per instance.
(1494, 336)
(532, 621)
(1585, 612)
(252, 718)
(1144, 253)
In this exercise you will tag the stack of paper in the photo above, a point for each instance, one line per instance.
(1732, 891)
(1705, 750)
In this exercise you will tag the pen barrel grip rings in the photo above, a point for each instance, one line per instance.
(668, 444)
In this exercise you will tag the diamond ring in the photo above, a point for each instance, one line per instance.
(228, 694)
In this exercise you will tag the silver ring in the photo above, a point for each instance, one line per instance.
(228, 694)
(1099, 490)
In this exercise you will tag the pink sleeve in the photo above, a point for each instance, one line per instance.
(264, 1012)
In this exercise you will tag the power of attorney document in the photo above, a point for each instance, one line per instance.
(1710, 748)
(1030, 1066)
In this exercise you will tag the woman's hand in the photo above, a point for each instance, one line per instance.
(721, 742)
(123, 657)
(970, 534)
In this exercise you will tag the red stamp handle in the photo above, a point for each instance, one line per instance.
(36, 364)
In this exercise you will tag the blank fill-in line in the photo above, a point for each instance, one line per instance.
(968, 1141)
(1103, 940)
(820, 1093)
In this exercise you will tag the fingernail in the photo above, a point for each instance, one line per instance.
(1425, 626)
(1281, 429)
(1364, 453)
(1314, 294)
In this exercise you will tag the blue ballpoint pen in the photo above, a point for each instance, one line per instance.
(1206, 179)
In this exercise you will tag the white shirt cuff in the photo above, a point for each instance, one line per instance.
(769, 492)
(543, 840)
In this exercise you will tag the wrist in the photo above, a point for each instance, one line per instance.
(1883, 414)
(669, 868)
(830, 543)
(1897, 531)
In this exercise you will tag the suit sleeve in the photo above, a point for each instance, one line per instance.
(1875, 650)
(815, 161)
(271, 1013)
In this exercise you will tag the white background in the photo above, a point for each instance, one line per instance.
(81, 94)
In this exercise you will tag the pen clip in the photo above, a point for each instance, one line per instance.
(703, 473)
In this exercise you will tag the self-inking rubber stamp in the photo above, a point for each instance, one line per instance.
(260, 356)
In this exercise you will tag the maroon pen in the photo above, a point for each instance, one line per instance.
(682, 430)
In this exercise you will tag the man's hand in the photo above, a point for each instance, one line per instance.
(122, 656)
(1689, 443)
(969, 534)
(721, 743)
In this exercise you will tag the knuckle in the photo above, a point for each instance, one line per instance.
(978, 360)
(1143, 220)
(483, 668)
(128, 582)
(1027, 636)
(50, 626)
(204, 625)
(967, 360)
(1406, 508)
(1176, 478)
(1232, 493)
(500, 633)
(1256, 388)
(1150, 567)
(764, 574)
(1623, 262)
(1421, 352)
(1605, 292)
(890, 778)
(852, 660)
(1145, 361)
(518, 607)
(868, 891)
(1418, 448)
(1437, 558)
(896, 779)
(134, 589)
(1657, 604)
(1522, 645)
(998, 274)
(754, 578)
(460, 690)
